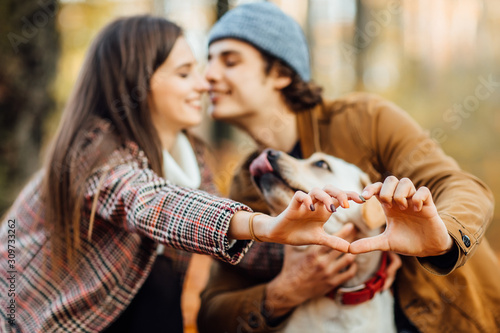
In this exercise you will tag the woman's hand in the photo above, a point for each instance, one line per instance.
(301, 223)
(414, 226)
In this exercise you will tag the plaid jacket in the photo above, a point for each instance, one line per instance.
(181, 259)
(136, 209)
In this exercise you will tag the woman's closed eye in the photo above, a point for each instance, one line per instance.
(185, 70)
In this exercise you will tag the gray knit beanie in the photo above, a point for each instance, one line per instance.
(268, 28)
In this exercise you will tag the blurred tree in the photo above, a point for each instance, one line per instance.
(221, 131)
(29, 50)
(361, 43)
(222, 8)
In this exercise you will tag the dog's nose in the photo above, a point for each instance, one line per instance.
(272, 154)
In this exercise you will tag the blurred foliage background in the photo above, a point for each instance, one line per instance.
(437, 59)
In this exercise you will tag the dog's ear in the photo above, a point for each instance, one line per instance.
(373, 213)
(364, 180)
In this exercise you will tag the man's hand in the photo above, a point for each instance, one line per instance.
(391, 270)
(309, 273)
(414, 226)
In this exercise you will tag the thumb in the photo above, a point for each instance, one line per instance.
(335, 243)
(376, 243)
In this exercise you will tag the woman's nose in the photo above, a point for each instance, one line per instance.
(212, 73)
(202, 84)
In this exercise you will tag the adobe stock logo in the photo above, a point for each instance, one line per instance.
(470, 104)
(364, 36)
(31, 27)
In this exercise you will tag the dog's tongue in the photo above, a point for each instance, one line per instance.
(260, 165)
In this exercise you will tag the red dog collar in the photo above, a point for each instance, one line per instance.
(364, 292)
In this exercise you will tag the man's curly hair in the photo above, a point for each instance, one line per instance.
(298, 95)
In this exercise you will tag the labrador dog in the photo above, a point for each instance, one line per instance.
(359, 305)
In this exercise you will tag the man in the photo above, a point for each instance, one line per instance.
(259, 75)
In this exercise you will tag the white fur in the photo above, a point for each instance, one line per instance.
(325, 315)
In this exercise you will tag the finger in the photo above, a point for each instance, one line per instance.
(394, 265)
(347, 232)
(354, 197)
(405, 189)
(340, 278)
(337, 194)
(319, 196)
(387, 191)
(339, 263)
(369, 244)
(334, 242)
(422, 196)
(371, 190)
(300, 198)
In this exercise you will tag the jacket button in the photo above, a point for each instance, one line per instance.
(253, 320)
(466, 240)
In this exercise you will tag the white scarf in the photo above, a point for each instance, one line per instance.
(180, 166)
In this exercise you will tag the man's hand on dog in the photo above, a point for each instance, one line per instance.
(315, 207)
(309, 273)
(414, 226)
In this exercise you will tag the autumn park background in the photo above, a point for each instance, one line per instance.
(437, 59)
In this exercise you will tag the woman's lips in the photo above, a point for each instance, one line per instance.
(216, 95)
(194, 103)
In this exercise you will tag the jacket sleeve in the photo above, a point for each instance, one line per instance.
(234, 302)
(140, 201)
(463, 201)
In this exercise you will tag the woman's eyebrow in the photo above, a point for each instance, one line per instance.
(186, 64)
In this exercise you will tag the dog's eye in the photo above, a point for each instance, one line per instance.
(322, 164)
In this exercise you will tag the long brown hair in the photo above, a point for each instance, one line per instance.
(112, 87)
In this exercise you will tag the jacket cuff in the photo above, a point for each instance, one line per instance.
(465, 245)
(231, 251)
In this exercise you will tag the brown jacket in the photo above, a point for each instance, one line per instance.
(382, 140)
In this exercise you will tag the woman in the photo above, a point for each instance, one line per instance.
(87, 227)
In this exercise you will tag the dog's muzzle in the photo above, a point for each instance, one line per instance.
(264, 163)
(265, 170)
